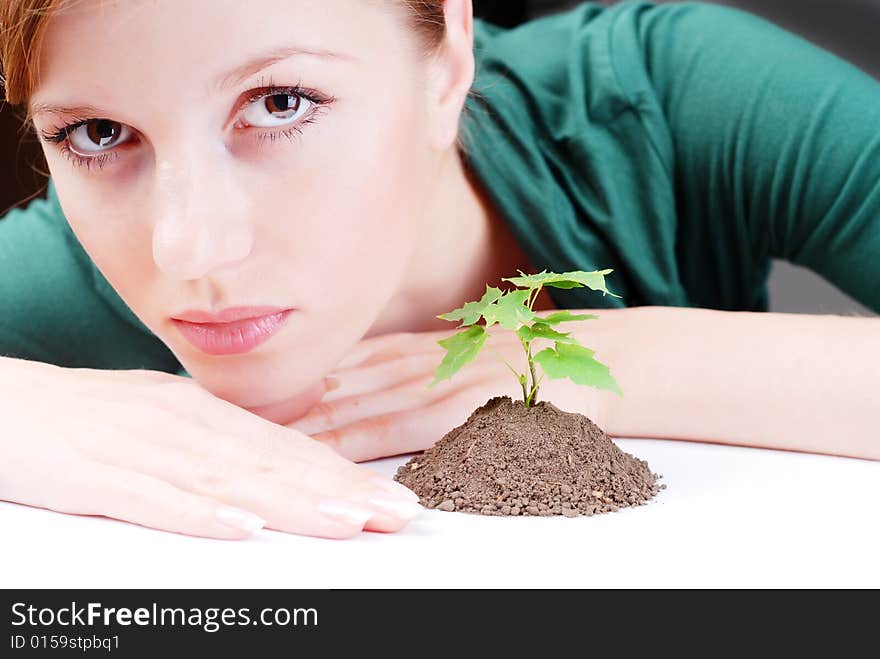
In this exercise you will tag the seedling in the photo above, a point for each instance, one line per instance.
(513, 310)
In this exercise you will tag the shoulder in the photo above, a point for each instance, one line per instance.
(613, 50)
(40, 280)
(33, 242)
(577, 84)
(550, 60)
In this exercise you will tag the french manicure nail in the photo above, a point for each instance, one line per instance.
(239, 519)
(393, 487)
(345, 512)
(396, 507)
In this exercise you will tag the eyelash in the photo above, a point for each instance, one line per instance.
(267, 87)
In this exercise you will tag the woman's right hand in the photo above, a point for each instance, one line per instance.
(158, 450)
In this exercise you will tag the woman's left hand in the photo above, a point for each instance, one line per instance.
(379, 404)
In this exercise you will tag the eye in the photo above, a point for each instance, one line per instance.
(98, 135)
(273, 110)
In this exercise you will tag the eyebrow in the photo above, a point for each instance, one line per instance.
(256, 64)
(223, 82)
(76, 111)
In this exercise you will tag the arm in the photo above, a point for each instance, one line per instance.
(768, 380)
(773, 380)
(158, 450)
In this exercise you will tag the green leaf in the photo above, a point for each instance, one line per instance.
(470, 313)
(594, 279)
(532, 281)
(540, 330)
(461, 349)
(564, 316)
(510, 311)
(576, 363)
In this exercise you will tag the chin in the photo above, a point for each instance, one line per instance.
(259, 383)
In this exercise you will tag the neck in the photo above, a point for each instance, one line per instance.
(464, 246)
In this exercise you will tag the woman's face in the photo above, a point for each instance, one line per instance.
(255, 153)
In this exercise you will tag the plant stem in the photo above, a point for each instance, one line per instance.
(530, 397)
(532, 301)
(528, 348)
(539, 382)
(533, 396)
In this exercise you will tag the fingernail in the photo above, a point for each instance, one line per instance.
(331, 382)
(395, 488)
(345, 512)
(396, 507)
(239, 519)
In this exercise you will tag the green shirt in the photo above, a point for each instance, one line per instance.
(682, 145)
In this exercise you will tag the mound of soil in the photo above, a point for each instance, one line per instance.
(507, 459)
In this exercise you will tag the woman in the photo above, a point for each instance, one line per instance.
(324, 165)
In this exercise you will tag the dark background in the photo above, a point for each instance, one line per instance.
(849, 28)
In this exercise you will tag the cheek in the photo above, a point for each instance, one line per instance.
(117, 242)
(358, 206)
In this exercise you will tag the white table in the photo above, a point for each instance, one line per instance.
(730, 517)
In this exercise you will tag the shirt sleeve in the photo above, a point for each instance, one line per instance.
(776, 146)
(52, 306)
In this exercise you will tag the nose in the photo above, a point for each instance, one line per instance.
(201, 216)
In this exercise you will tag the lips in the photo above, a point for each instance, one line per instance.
(232, 336)
(229, 315)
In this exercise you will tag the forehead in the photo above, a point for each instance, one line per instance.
(148, 47)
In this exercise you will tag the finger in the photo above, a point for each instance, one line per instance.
(296, 484)
(217, 429)
(410, 394)
(407, 431)
(389, 387)
(309, 513)
(384, 375)
(318, 493)
(148, 501)
(382, 347)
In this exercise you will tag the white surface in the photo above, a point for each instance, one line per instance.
(730, 517)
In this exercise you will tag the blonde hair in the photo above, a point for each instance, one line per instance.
(23, 25)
